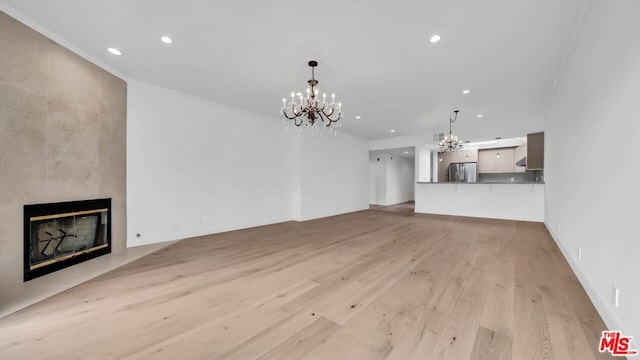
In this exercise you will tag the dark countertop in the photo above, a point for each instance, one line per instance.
(485, 183)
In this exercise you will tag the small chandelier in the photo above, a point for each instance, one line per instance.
(310, 109)
(450, 142)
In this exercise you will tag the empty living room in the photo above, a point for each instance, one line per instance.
(333, 180)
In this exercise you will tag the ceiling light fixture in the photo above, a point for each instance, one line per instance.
(393, 131)
(114, 51)
(358, 117)
(451, 142)
(435, 38)
(466, 91)
(311, 108)
(166, 40)
(480, 115)
(406, 152)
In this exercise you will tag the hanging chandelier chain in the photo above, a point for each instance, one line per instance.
(451, 143)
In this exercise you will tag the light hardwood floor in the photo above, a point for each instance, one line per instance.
(407, 207)
(366, 285)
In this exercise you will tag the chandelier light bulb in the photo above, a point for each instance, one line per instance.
(311, 109)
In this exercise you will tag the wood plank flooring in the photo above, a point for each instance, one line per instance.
(366, 285)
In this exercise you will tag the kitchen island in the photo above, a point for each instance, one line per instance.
(499, 200)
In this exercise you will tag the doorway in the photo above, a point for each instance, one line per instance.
(392, 179)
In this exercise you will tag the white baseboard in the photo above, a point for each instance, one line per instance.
(160, 238)
(333, 213)
(601, 304)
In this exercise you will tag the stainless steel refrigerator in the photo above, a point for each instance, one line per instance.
(463, 172)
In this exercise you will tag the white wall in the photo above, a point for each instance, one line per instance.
(377, 179)
(392, 179)
(334, 175)
(498, 201)
(424, 159)
(400, 179)
(592, 131)
(197, 167)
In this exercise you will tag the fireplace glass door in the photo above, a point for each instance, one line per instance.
(58, 239)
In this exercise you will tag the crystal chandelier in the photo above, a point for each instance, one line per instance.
(450, 142)
(310, 109)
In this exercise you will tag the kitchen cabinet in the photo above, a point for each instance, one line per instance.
(486, 161)
(496, 160)
(505, 160)
(535, 151)
(520, 152)
(463, 156)
(443, 166)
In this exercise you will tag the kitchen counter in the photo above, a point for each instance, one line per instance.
(483, 183)
(499, 200)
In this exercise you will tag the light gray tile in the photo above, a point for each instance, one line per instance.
(11, 244)
(23, 56)
(72, 152)
(72, 80)
(22, 145)
(112, 154)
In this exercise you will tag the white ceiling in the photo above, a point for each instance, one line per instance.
(374, 54)
(409, 152)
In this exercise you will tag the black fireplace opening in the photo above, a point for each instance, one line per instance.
(58, 235)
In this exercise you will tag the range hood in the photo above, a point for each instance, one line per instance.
(522, 162)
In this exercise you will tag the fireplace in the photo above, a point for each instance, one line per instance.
(58, 235)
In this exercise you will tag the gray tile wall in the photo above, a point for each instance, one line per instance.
(62, 137)
(529, 176)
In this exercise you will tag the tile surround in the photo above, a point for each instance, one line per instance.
(62, 138)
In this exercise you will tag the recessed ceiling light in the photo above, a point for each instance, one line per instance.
(114, 51)
(166, 40)
(466, 91)
(435, 38)
(480, 115)
(358, 117)
(406, 152)
(393, 131)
